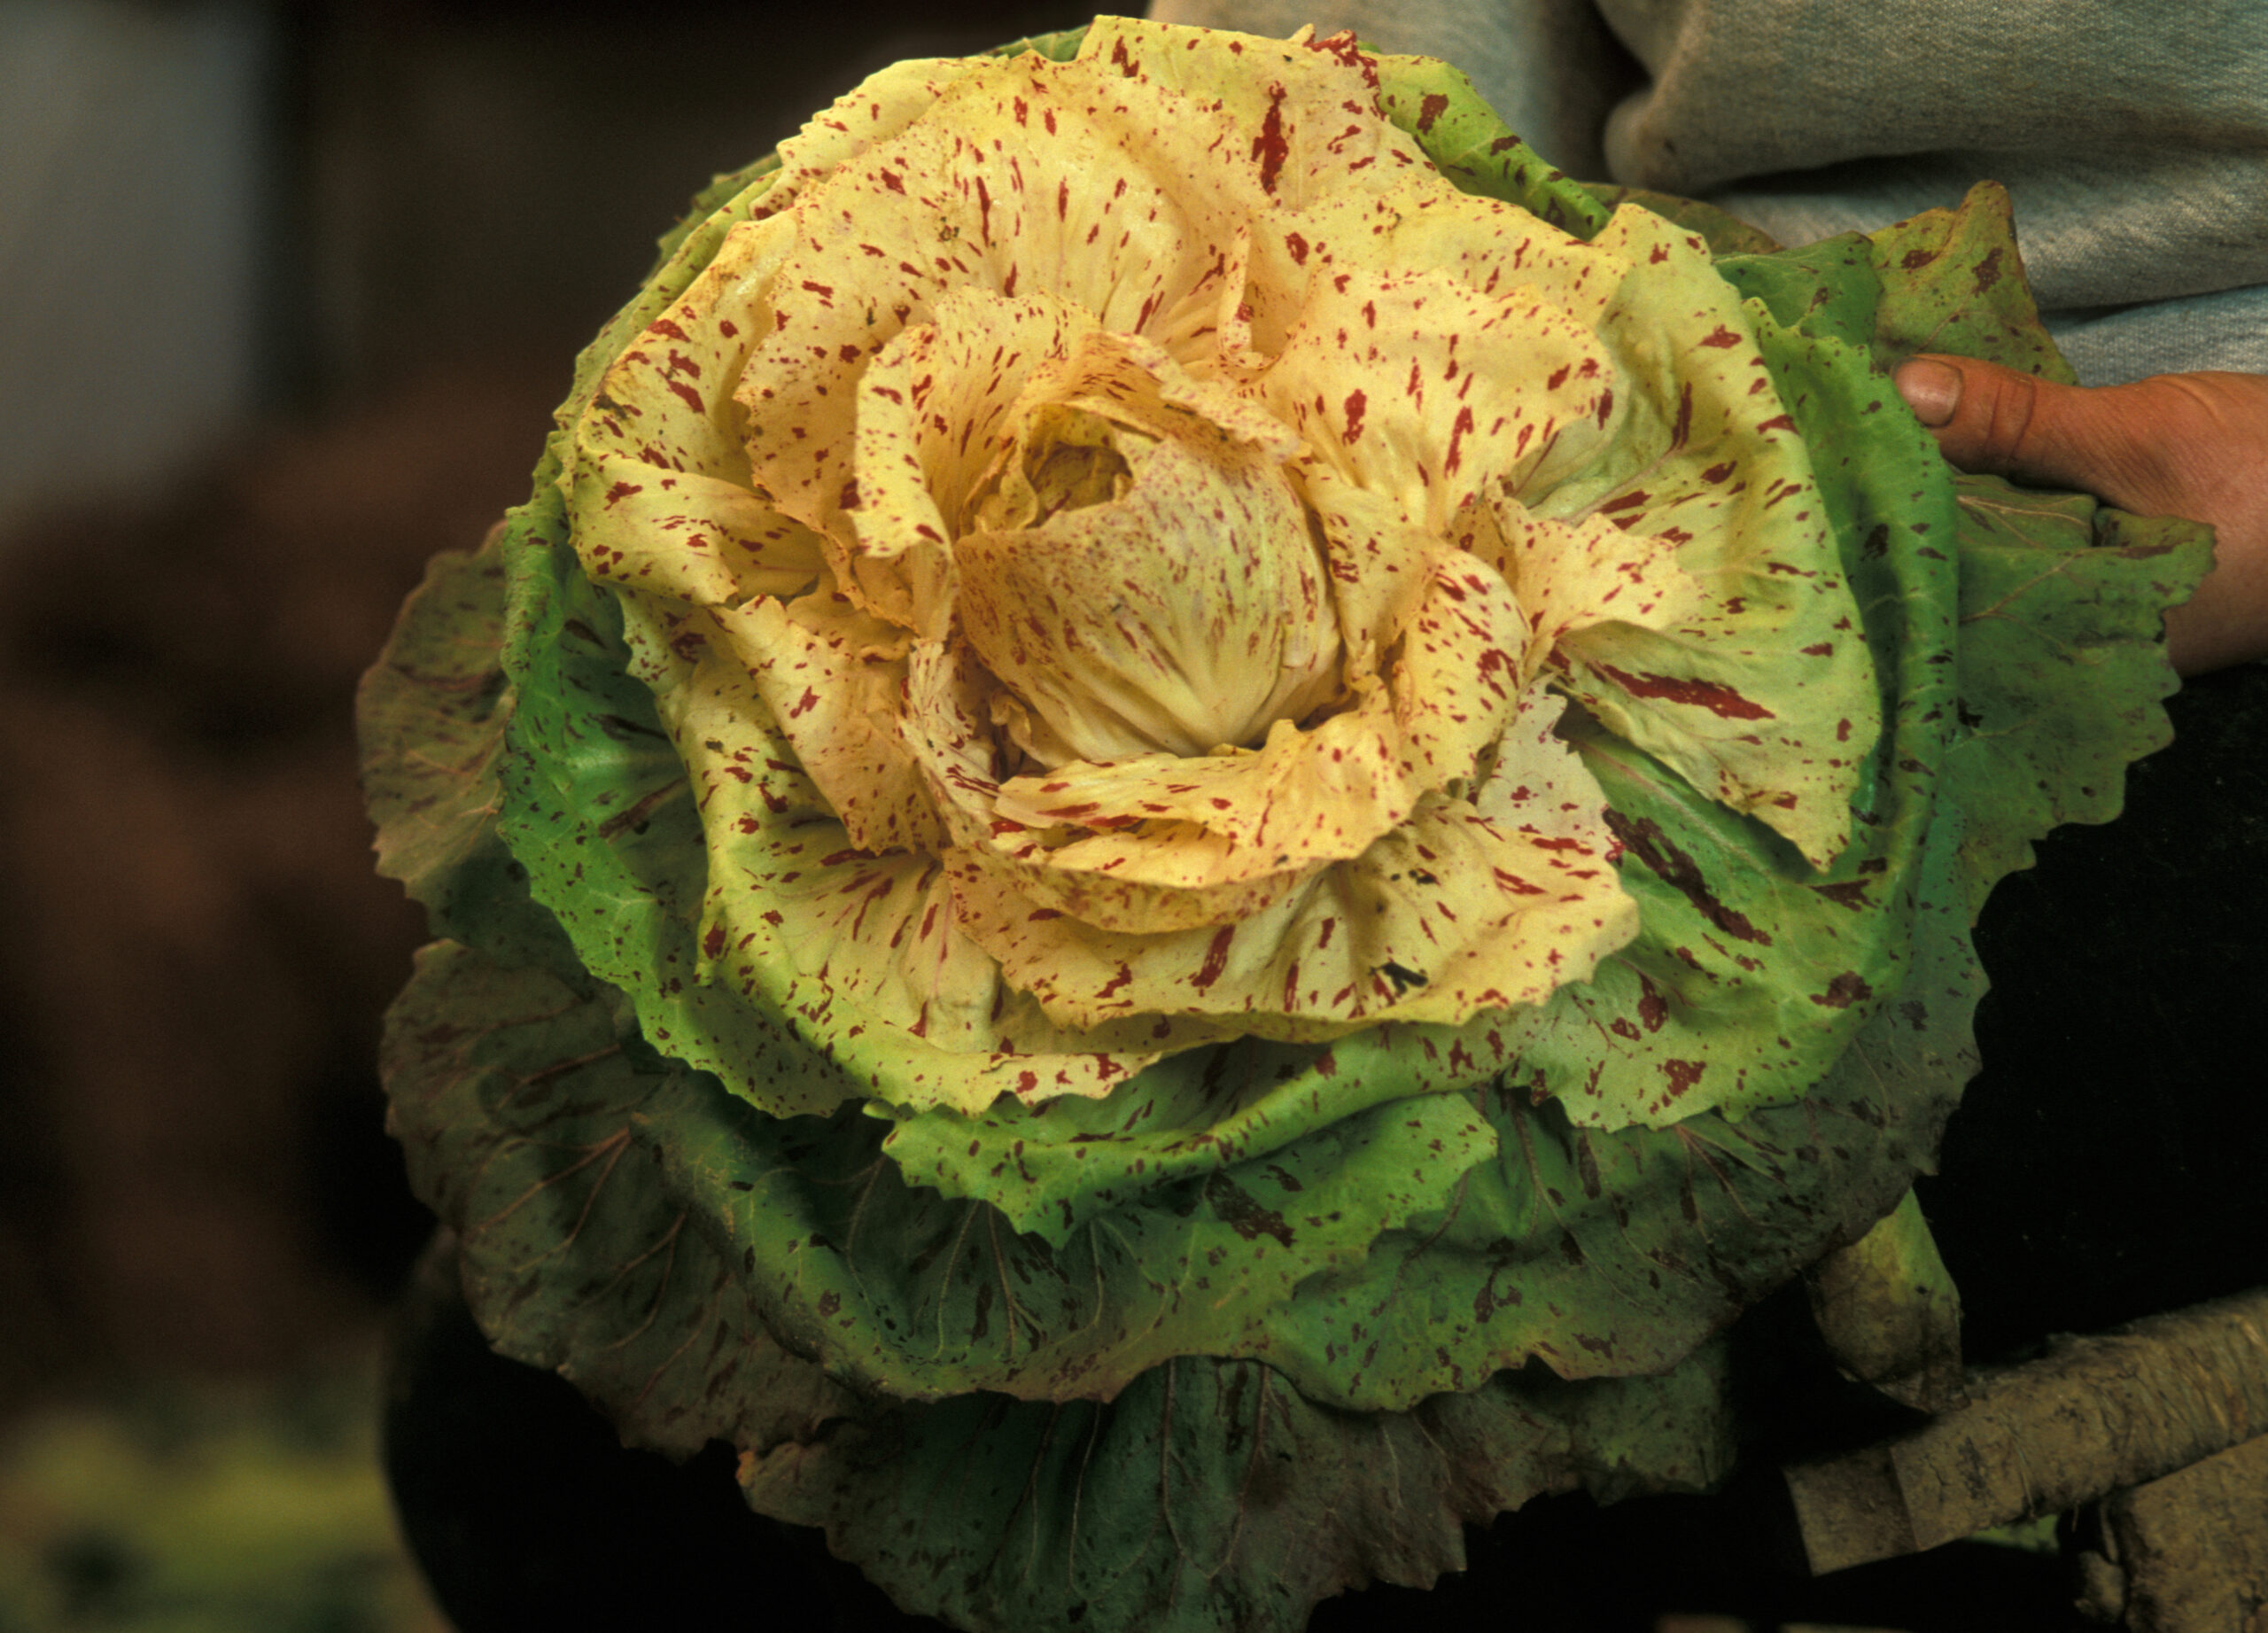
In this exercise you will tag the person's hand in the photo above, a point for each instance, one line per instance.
(2189, 445)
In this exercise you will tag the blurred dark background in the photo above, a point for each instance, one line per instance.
(291, 290)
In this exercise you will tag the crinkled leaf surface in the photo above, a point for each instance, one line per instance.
(432, 714)
(1046, 1357)
(1207, 1495)
(2062, 602)
(1210, 1495)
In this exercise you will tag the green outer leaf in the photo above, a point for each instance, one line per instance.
(571, 1256)
(431, 713)
(896, 1288)
(706, 206)
(1210, 1495)
(2062, 671)
(1053, 1167)
(1438, 105)
(1962, 289)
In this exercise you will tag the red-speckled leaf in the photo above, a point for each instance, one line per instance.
(1592, 1165)
(1958, 285)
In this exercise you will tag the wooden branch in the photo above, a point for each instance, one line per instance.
(2187, 1553)
(2093, 1416)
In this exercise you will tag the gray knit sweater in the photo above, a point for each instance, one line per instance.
(2132, 135)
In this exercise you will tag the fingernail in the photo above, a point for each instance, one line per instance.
(1932, 389)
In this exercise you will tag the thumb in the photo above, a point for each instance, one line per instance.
(1995, 421)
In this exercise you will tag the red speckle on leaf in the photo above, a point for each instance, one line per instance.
(1645, 840)
(1458, 432)
(1216, 959)
(1431, 109)
(1845, 989)
(1683, 1075)
(1271, 148)
(1717, 698)
(1852, 894)
(1343, 46)
(689, 396)
(1721, 337)
(1357, 403)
